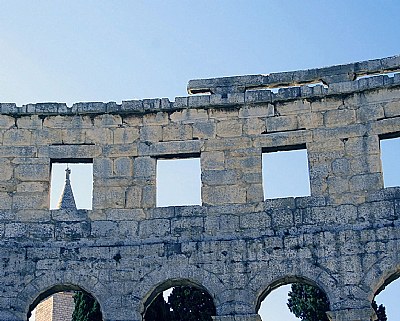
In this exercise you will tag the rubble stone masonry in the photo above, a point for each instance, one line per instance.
(343, 238)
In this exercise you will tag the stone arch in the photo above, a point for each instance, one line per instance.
(148, 299)
(168, 276)
(263, 283)
(48, 284)
(381, 274)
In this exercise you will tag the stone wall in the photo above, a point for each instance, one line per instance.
(343, 238)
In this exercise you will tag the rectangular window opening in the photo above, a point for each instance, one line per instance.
(285, 172)
(178, 180)
(390, 155)
(80, 179)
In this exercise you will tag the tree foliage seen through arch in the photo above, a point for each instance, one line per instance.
(185, 303)
(309, 303)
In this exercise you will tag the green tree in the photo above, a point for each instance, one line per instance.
(380, 311)
(86, 308)
(185, 303)
(309, 303)
(191, 304)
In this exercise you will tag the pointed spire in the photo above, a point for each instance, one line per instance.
(67, 200)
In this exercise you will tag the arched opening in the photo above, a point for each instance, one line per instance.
(177, 300)
(65, 302)
(293, 299)
(385, 302)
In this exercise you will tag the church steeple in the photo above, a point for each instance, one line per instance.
(67, 200)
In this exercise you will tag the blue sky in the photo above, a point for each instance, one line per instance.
(87, 50)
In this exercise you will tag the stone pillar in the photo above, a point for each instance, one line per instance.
(236, 317)
(366, 314)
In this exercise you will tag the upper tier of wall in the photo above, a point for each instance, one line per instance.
(251, 89)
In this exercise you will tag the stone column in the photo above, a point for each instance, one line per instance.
(366, 314)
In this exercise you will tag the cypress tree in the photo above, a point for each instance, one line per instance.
(86, 308)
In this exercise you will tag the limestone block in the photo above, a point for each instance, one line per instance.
(47, 136)
(99, 136)
(89, 107)
(310, 120)
(355, 130)
(120, 150)
(370, 163)
(18, 151)
(159, 118)
(356, 146)
(144, 167)
(102, 167)
(123, 166)
(222, 114)
(36, 172)
(220, 177)
(125, 135)
(366, 182)
(227, 144)
(199, 101)
(154, 228)
(151, 133)
(189, 116)
(107, 120)
(341, 166)
(254, 126)
(17, 137)
(392, 109)
(338, 184)
(265, 110)
(212, 161)
(255, 96)
(73, 136)
(132, 106)
(204, 130)
(340, 117)
(148, 196)
(298, 137)
(33, 187)
(180, 102)
(133, 197)
(216, 195)
(177, 132)
(229, 128)
(31, 200)
(29, 122)
(109, 197)
(5, 200)
(6, 169)
(371, 112)
(124, 214)
(255, 193)
(69, 151)
(151, 104)
(187, 226)
(295, 107)
(15, 230)
(384, 126)
(128, 229)
(7, 122)
(281, 123)
(70, 122)
(170, 148)
(326, 104)
(245, 164)
(33, 216)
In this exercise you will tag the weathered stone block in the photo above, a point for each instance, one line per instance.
(281, 123)
(229, 128)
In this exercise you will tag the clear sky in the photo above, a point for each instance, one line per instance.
(92, 50)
